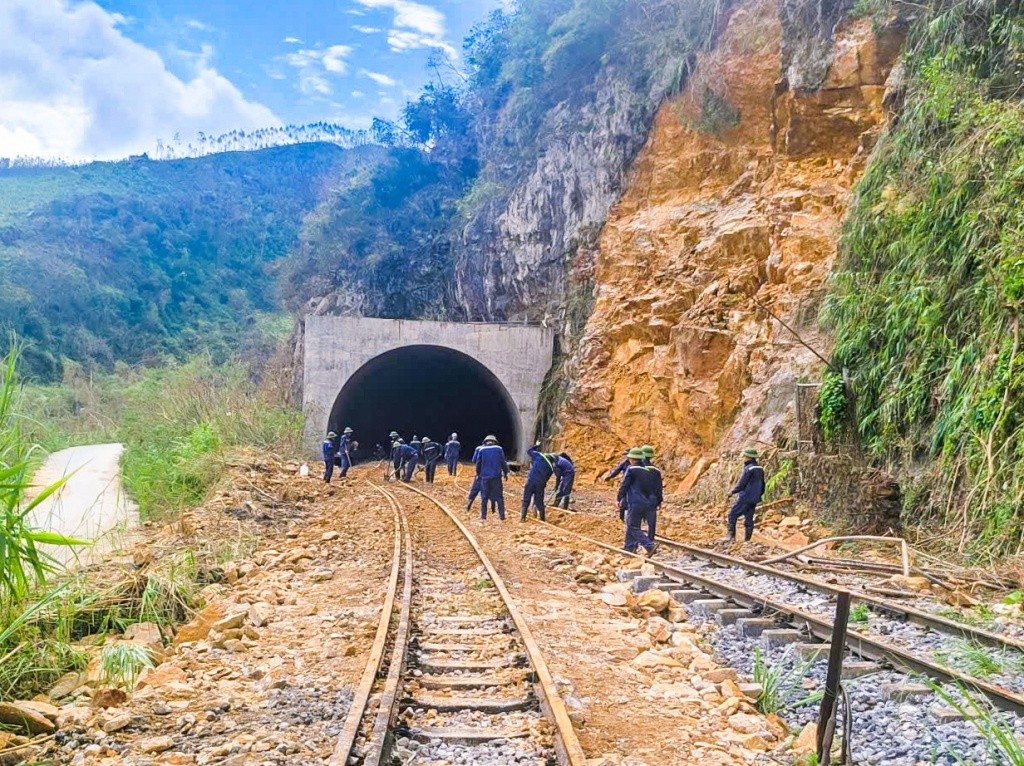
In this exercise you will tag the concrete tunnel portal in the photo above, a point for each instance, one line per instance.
(430, 391)
(423, 378)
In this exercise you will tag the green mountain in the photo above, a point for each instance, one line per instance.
(131, 261)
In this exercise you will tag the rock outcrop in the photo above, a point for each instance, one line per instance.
(729, 224)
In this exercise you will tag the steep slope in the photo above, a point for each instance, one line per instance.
(127, 261)
(733, 210)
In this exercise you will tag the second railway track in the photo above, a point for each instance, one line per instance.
(454, 675)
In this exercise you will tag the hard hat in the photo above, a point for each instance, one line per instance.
(490, 439)
(750, 452)
(426, 438)
(348, 430)
(648, 450)
(636, 454)
(332, 435)
(455, 436)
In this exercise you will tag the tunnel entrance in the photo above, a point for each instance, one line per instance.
(426, 391)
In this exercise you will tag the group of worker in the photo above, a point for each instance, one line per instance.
(640, 495)
(405, 458)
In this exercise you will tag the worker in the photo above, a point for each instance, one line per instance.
(565, 476)
(492, 468)
(344, 452)
(417, 445)
(642, 491)
(410, 458)
(431, 454)
(542, 466)
(620, 468)
(749, 490)
(396, 458)
(328, 451)
(451, 454)
(474, 490)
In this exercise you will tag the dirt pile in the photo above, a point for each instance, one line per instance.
(732, 215)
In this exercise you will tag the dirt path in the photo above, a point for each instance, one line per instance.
(90, 506)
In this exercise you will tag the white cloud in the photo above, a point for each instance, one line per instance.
(73, 85)
(379, 78)
(198, 25)
(415, 25)
(292, 41)
(315, 64)
(367, 30)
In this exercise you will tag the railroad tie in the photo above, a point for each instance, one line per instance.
(464, 736)
(482, 704)
(470, 682)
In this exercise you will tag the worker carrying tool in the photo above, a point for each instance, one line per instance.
(541, 469)
(643, 494)
(344, 456)
(620, 468)
(492, 468)
(451, 454)
(328, 451)
(409, 458)
(749, 491)
(565, 477)
(431, 454)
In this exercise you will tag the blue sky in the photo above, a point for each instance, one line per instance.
(88, 79)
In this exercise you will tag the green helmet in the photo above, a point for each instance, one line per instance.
(636, 454)
(750, 452)
(648, 451)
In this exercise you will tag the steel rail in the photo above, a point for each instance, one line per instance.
(916, 616)
(859, 643)
(567, 744)
(350, 729)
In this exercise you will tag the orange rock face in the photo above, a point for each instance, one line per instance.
(733, 210)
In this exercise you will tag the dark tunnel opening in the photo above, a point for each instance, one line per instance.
(426, 391)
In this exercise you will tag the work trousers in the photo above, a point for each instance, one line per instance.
(634, 534)
(431, 470)
(492, 490)
(410, 469)
(345, 462)
(533, 491)
(453, 465)
(746, 511)
(397, 465)
(564, 491)
(328, 470)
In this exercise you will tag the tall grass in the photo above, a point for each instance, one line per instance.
(176, 422)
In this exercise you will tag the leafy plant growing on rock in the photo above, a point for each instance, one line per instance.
(780, 683)
(999, 735)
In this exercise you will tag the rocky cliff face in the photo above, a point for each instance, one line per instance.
(728, 224)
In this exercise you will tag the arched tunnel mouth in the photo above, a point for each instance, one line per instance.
(426, 391)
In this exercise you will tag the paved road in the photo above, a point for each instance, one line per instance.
(90, 506)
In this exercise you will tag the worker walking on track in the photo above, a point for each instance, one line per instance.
(565, 477)
(492, 468)
(474, 490)
(345, 452)
(451, 454)
(652, 519)
(409, 459)
(541, 469)
(642, 491)
(750, 490)
(431, 454)
(328, 451)
(396, 459)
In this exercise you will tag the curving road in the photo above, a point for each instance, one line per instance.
(90, 506)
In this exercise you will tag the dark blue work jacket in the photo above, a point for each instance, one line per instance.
(541, 468)
(490, 462)
(641, 487)
(750, 487)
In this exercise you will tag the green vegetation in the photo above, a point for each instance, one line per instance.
(177, 424)
(781, 689)
(1003, 745)
(977, 660)
(927, 303)
(138, 261)
(716, 113)
(860, 614)
(122, 664)
(780, 483)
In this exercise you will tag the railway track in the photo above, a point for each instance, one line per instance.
(454, 674)
(759, 600)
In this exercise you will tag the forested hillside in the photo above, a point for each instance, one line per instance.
(134, 260)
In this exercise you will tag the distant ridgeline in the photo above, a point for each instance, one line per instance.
(130, 261)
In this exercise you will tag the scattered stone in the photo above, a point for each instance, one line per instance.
(232, 621)
(260, 614)
(650, 659)
(945, 714)
(655, 600)
(328, 536)
(65, 685)
(22, 718)
(116, 723)
(161, 676)
(145, 633)
(719, 675)
(155, 744)
(109, 697)
(807, 740)
(200, 626)
(904, 691)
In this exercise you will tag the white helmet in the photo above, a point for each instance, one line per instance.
(454, 437)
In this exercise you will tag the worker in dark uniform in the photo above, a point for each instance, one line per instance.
(652, 519)
(328, 452)
(344, 452)
(642, 491)
(565, 477)
(492, 468)
(396, 460)
(541, 469)
(451, 454)
(410, 458)
(749, 490)
(474, 490)
(620, 468)
(648, 451)
(431, 454)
